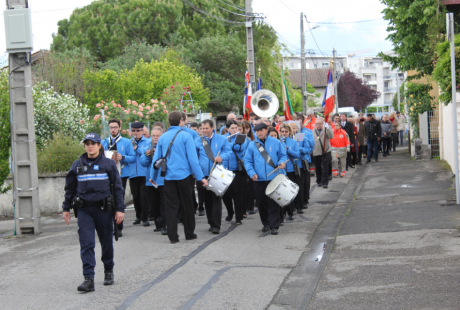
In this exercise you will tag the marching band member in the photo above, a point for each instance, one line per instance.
(235, 196)
(250, 197)
(261, 158)
(179, 163)
(210, 148)
(194, 136)
(293, 167)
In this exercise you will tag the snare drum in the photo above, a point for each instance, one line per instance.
(282, 190)
(220, 180)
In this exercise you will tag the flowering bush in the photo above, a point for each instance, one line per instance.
(55, 112)
(419, 101)
(176, 98)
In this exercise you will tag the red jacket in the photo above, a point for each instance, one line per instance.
(340, 143)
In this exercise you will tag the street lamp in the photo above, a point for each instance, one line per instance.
(314, 27)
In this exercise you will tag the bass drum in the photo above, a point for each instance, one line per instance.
(282, 190)
(219, 180)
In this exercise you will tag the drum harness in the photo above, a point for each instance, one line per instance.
(265, 155)
(208, 151)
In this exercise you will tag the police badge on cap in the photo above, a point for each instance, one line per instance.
(93, 137)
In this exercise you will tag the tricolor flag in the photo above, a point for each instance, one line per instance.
(328, 101)
(259, 84)
(288, 112)
(247, 96)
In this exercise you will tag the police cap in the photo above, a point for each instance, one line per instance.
(93, 137)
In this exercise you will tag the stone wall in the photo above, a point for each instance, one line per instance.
(50, 193)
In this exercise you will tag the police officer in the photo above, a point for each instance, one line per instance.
(261, 158)
(125, 154)
(138, 173)
(88, 189)
(211, 148)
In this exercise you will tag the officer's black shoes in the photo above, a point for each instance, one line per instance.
(201, 213)
(164, 232)
(291, 217)
(108, 277)
(324, 186)
(146, 224)
(87, 285)
(216, 231)
(299, 211)
(274, 231)
(136, 222)
(193, 237)
(265, 228)
(238, 223)
(157, 229)
(228, 218)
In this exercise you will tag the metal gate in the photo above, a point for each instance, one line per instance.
(433, 133)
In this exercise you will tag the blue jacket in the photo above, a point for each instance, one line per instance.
(229, 160)
(293, 152)
(255, 163)
(306, 146)
(192, 132)
(182, 159)
(221, 129)
(146, 161)
(137, 170)
(125, 148)
(217, 143)
(93, 185)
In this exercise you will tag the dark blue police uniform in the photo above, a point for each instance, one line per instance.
(90, 179)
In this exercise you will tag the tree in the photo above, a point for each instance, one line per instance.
(5, 133)
(352, 92)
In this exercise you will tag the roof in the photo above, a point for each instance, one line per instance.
(316, 77)
(35, 57)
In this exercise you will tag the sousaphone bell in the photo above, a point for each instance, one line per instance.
(264, 103)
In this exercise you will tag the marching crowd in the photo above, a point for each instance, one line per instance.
(239, 165)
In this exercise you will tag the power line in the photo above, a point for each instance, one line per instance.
(313, 36)
(289, 8)
(212, 16)
(359, 21)
(233, 5)
(252, 14)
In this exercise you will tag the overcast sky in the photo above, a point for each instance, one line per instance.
(283, 15)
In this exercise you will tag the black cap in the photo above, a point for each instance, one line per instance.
(93, 137)
(239, 116)
(137, 125)
(260, 126)
(369, 114)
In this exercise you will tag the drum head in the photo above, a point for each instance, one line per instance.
(274, 184)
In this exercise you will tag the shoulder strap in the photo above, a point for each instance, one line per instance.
(264, 154)
(207, 149)
(116, 141)
(171, 143)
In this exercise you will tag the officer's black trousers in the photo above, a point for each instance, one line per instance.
(297, 202)
(322, 164)
(305, 188)
(213, 206)
(140, 197)
(90, 219)
(157, 205)
(178, 195)
(269, 210)
(235, 196)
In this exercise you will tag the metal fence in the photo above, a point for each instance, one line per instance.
(433, 133)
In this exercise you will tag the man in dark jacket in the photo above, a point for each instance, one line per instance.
(373, 132)
(348, 127)
(386, 135)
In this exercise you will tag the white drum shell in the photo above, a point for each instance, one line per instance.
(282, 190)
(219, 180)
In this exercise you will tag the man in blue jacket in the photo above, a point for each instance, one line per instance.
(306, 148)
(137, 177)
(181, 161)
(125, 154)
(218, 147)
(258, 170)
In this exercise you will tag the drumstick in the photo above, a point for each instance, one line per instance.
(278, 167)
(214, 164)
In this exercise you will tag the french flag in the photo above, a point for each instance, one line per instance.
(247, 96)
(329, 99)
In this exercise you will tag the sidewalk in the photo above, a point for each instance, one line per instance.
(398, 247)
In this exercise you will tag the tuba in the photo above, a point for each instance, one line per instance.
(264, 103)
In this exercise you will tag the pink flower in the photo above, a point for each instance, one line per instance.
(121, 122)
(140, 114)
(152, 111)
(135, 103)
(106, 107)
(159, 97)
(123, 131)
(125, 111)
(114, 105)
(128, 101)
(183, 103)
(143, 104)
(166, 92)
(152, 101)
(184, 94)
(155, 105)
(164, 111)
(172, 86)
(134, 112)
(162, 103)
(98, 105)
(82, 121)
(141, 108)
(95, 118)
(177, 83)
(147, 107)
(167, 111)
(185, 87)
(113, 101)
(147, 117)
(156, 101)
(185, 110)
(108, 113)
(119, 105)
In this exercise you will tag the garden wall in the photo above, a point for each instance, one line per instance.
(50, 193)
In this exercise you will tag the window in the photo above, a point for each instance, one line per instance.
(307, 65)
(325, 65)
(315, 65)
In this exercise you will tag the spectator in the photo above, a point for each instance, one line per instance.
(359, 139)
(159, 124)
(348, 127)
(401, 125)
(229, 117)
(322, 152)
(257, 120)
(239, 118)
(280, 121)
(310, 123)
(268, 123)
(340, 145)
(373, 132)
(275, 120)
(194, 126)
(386, 135)
(394, 131)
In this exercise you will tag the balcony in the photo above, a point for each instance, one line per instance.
(388, 102)
(389, 89)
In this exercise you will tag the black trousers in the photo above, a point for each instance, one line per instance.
(195, 203)
(357, 157)
(200, 190)
(250, 196)
(297, 203)
(235, 196)
(323, 164)
(305, 188)
(124, 181)
(140, 197)
(178, 195)
(394, 140)
(269, 210)
(349, 160)
(386, 145)
(157, 205)
(213, 206)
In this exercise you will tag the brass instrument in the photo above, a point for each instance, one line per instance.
(264, 103)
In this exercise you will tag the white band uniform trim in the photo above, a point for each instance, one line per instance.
(92, 177)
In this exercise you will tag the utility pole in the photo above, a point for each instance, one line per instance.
(18, 33)
(334, 68)
(303, 70)
(450, 36)
(250, 44)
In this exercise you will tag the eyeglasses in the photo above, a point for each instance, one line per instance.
(90, 143)
(136, 130)
(284, 131)
(114, 127)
